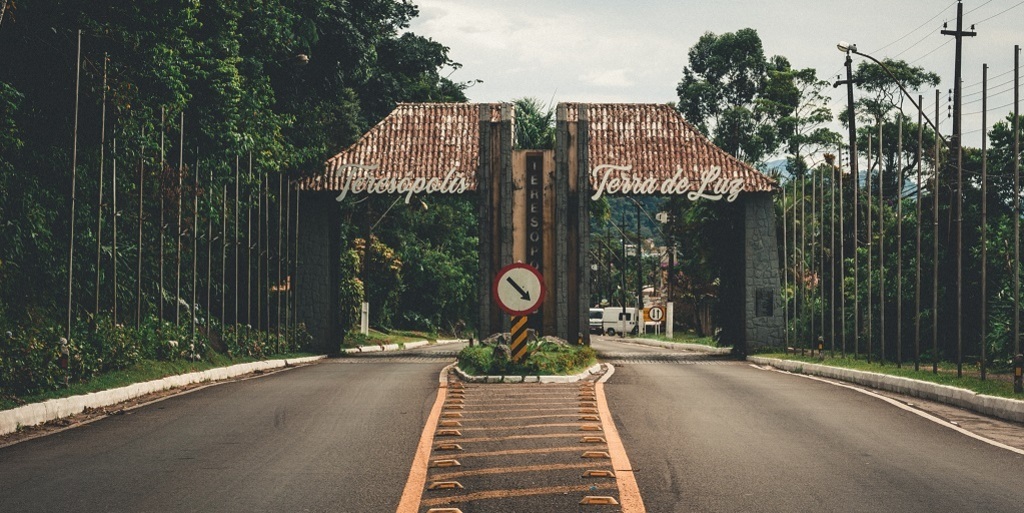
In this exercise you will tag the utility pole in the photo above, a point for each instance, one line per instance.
(855, 174)
(959, 34)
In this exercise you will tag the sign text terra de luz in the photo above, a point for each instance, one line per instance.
(607, 179)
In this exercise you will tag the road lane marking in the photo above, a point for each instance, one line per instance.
(513, 470)
(629, 491)
(503, 494)
(410, 502)
(518, 437)
(513, 452)
(528, 426)
(904, 407)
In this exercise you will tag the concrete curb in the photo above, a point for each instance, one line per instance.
(594, 369)
(700, 348)
(38, 413)
(999, 407)
(398, 347)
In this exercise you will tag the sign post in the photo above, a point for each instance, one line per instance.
(519, 290)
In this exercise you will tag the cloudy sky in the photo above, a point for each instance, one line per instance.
(635, 50)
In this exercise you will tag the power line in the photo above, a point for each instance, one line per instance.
(1010, 81)
(931, 52)
(904, 36)
(992, 93)
(926, 36)
(978, 7)
(1018, 4)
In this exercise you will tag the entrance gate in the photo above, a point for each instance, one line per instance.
(533, 205)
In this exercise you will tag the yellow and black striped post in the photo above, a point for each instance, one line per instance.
(518, 345)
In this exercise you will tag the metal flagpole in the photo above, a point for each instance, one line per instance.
(984, 216)
(99, 200)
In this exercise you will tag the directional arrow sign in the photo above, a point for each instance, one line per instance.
(519, 289)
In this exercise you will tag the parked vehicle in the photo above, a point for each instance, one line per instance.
(618, 320)
(597, 320)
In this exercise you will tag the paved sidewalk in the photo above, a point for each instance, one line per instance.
(999, 407)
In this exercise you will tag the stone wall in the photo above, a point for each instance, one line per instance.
(316, 280)
(762, 309)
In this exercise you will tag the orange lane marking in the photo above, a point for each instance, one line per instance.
(629, 492)
(527, 417)
(502, 494)
(511, 452)
(517, 437)
(528, 426)
(413, 492)
(512, 470)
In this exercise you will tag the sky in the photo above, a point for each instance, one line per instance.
(634, 51)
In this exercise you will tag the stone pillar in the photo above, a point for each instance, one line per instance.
(762, 305)
(316, 274)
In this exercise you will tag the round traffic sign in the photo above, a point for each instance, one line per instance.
(656, 313)
(519, 289)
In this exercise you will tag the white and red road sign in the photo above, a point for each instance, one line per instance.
(519, 289)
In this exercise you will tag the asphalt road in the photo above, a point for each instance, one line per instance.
(701, 435)
(724, 436)
(328, 437)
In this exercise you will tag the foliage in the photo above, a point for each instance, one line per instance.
(259, 92)
(535, 125)
(736, 95)
(809, 269)
(543, 358)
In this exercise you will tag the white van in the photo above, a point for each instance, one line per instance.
(618, 320)
(597, 320)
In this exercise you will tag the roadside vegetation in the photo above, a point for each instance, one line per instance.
(377, 337)
(107, 355)
(542, 358)
(999, 384)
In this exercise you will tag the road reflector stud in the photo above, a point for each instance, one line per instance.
(594, 418)
(449, 432)
(448, 447)
(445, 485)
(445, 463)
(590, 404)
(599, 500)
(452, 415)
(456, 400)
(599, 473)
(593, 440)
(587, 410)
(444, 510)
(450, 423)
(455, 407)
(587, 393)
(590, 427)
(596, 454)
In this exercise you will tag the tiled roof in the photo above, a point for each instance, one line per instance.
(424, 140)
(655, 140)
(429, 140)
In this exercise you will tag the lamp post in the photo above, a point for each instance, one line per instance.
(852, 122)
(850, 49)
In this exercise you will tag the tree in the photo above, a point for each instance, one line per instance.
(735, 95)
(535, 125)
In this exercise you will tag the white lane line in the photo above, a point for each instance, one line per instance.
(904, 407)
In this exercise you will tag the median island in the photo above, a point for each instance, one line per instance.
(545, 356)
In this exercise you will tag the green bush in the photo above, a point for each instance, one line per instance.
(542, 358)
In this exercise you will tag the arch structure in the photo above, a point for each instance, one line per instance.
(533, 205)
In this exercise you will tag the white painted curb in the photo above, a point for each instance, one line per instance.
(38, 413)
(700, 348)
(399, 347)
(1000, 407)
(592, 370)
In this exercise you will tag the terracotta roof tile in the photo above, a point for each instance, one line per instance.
(431, 140)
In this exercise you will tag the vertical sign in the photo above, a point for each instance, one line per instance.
(535, 211)
(535, 222)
